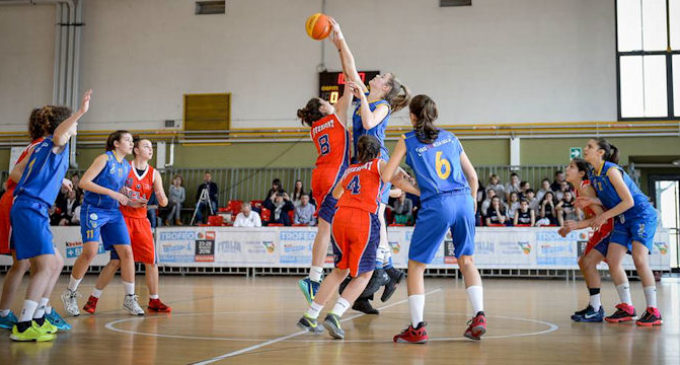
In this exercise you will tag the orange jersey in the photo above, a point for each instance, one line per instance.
(140, 187)
(331, 140)
(361, 184)
(589, 213)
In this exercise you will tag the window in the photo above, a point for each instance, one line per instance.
(648, 58)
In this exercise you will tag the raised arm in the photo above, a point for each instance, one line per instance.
(87, 183)
(343, 104)
(68, 128)
(158, 189)
(369, 119)
(349, 67)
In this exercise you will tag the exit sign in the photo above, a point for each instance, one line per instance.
(575, 152)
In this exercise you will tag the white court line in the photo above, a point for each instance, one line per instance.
(292, 335)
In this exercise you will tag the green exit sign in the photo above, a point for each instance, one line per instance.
(575, 152)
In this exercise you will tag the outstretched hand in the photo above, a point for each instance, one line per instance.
(355, 88)
(85, 103)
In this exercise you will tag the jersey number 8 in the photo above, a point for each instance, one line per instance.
(324, 146)
(443, 166)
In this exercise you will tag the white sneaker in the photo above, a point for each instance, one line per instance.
(131, 305)
(70, 300)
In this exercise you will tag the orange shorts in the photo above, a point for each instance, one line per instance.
(356, 235)
(323, 181)
(141, 239)
(5, 226)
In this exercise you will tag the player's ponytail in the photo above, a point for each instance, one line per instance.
(399, 95)
(311, 112)
(114, 137)
(425, 111)
(611, 153)
(368, 148)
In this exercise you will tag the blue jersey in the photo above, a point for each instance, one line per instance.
(436, 165)
(610, 198)
(378, 131)
(112, 176)
(44, 173)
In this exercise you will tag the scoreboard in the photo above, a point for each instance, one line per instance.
(331, 84)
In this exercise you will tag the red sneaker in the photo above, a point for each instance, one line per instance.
(476, 327)
(624, 313)
(652, 317)
(413, 335)
(91, 305)
(155, 305)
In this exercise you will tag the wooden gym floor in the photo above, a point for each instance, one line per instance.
(252, 321)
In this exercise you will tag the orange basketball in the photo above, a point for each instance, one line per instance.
(318, 26)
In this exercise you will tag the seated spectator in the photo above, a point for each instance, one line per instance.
(530, 197)
(524, 216)
(75, 220)
(490, 194)
(513, 205)
(559, 178)
(512, 186)
(279, 204)
(564, 187)
(403, 210)
(415, 200)
(298, 190)
(566, 211)
(68, 208)
(247, 217)
(496, 212)
(304, 212)
(545, 187)
(55, 215)
(211, 187)
(276, 188)
(548, 214)
(75, 179)
(177, 196)
(523, 187)
(496, 186)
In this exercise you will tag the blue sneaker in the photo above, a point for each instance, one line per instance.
(57, 321)
(8, 321)
(590, 315)
(309, 288)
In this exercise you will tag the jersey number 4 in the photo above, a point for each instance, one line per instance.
(443, 166)
(354, 187)
(324, 146)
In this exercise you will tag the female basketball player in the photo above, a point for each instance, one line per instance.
(101, 218)
(356, 237)
(596, 249)
(634, 228)
(448, 185)
(387, 95)
(142, 181)
(35, 192)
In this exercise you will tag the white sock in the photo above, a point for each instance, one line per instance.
(476, 296)
(153, 296)
(4, 312)
(48, 309)
(129, 288)
(595, 302)
(97, 293)
(40, 312)
(650, 295)
(624, 293)
(315, 273)
(314, 310)
(340, 307)
(28, 310)
(416, 304)
(73, 283)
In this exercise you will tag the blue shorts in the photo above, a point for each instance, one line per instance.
(31, 234)
(327, 209)
(384, 187)
(640, 229)
(438, 215)
(105, 225)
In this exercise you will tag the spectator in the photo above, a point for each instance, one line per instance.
(152, 210)
(177, 196)
(403, 210)
(566, 211)
(513, 204)
(415, 200)
(279, 204)
(512, 186)
(276, 188)
(247, 217)
(68, 208)
(75, 220)
(523, 187)
(545, 187)
(559, 178)
(490, 194)
(304, 212)
(532, 200)
(548, 214)
(75, 179)
(298, 190)
(211, 187)
(564, 187)
(496, 186)
(524, 216)
(481, 195)
(496, 212)
(55, 215)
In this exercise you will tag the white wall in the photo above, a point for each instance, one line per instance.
(498, 61)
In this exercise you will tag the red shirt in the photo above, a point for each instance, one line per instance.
(361, 184)
(331, 140)
(141, 187)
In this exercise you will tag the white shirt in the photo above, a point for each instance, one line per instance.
(252, 220)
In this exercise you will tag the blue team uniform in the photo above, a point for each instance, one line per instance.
(637, 223)
(100, 218)
(378, 132)
(446, 203)
(34, 195)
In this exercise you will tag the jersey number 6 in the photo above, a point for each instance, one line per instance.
(443, 166)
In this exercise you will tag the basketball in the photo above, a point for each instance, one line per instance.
(318, 26)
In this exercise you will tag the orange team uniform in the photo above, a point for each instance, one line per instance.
(600, 238)
(331, 140)
(138, 225)
(356, 228)
(6, 206)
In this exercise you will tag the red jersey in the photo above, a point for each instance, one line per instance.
(589, 213)
(331, 140)
(361, 184)
(141, 186)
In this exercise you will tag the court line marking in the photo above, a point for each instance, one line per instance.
(292, 335)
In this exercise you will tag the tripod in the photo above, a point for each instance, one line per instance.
(204, 198)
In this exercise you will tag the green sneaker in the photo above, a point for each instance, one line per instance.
(32, 333)
(332, 324)
(46, 327)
